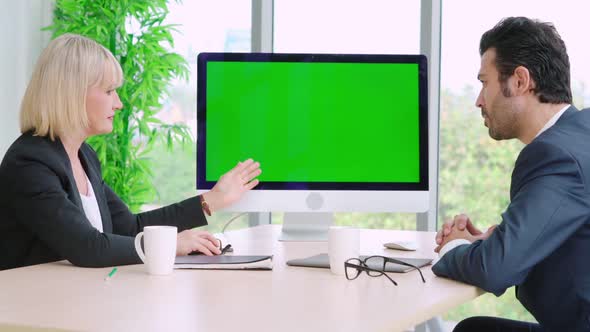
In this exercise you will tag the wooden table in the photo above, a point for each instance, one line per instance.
(61, 296)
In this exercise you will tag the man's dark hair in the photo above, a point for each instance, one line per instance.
(535, 45)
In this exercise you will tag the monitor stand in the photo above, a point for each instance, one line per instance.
(306, 226)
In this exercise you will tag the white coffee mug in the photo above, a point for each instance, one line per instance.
(160, 248)
(343, 244)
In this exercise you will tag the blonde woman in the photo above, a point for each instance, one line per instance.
(54, 202)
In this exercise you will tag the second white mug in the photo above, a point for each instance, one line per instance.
(160, 248)
(343, 244)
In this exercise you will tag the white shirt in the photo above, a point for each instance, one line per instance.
(458, 242)
(91, 207)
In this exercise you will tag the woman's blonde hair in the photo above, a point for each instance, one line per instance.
(54, 103)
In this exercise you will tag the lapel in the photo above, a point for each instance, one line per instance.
(75, 193)
(97, 185)
(95, 179)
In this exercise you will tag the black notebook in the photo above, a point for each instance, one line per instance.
(224, 262)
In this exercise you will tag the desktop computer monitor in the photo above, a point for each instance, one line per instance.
(332, 132)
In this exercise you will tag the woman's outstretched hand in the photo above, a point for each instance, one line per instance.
(233, 184)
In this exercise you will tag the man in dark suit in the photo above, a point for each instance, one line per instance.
(542, 242)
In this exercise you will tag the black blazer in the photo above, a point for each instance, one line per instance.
(42, 218)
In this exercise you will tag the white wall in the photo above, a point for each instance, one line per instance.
(21, 41)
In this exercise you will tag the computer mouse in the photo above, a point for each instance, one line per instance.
(227, 249)
(402, 245)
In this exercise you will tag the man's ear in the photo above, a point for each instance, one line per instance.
(523, 82)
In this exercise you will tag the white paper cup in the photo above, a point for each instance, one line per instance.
(343, 244)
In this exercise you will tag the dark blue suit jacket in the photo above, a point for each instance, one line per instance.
(542, 244)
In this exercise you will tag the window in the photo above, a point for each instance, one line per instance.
(336, 26)
(203, 26)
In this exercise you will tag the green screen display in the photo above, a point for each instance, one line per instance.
(314, 122)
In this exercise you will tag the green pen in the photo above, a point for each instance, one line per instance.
(110, 276)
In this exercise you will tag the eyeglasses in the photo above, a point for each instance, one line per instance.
(374, 266)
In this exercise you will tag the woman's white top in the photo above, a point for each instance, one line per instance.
(91, 207)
